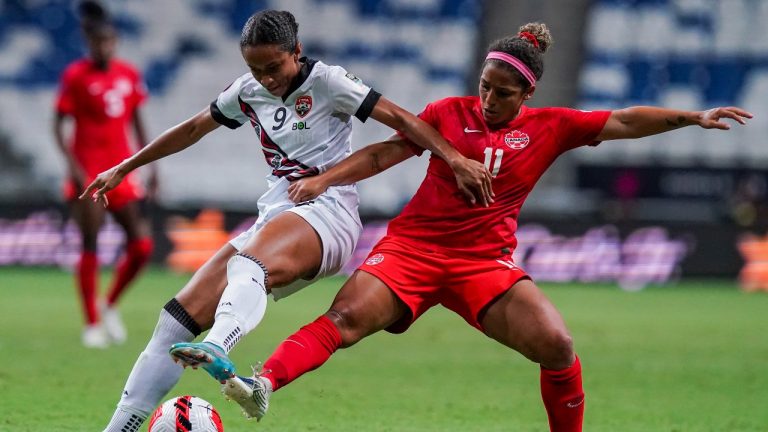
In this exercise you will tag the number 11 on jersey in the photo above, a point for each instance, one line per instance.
(493, 159)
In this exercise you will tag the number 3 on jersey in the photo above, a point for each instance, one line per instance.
(493, 160)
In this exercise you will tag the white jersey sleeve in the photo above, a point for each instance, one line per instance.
(226, 108)
(349, 94)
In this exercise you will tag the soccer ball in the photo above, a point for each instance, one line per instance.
(185, 413)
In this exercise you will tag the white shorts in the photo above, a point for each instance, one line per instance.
(333, 215)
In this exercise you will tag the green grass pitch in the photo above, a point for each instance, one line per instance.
(690, 357)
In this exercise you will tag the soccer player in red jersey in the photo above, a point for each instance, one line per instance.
(440, 251)
(102, 95)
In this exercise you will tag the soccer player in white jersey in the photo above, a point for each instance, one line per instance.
(301, 111)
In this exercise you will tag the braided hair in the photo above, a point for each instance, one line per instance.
(271, 27)
(529, 46)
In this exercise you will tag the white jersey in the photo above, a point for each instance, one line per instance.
(301, 135)
(307, 131)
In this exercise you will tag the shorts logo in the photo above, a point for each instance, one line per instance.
(516, 140)
(374, 259)
(303, 105)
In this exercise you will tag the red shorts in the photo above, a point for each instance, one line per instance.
(423, 278)
(127, 191)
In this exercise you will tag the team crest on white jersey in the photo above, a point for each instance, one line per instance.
(374, 259)
(303, 105)
(516, 140)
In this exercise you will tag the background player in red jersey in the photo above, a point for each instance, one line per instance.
(102, 95)
(439, 251)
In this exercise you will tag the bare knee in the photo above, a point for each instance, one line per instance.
(352, 330)
(556, 350)
(282, 269)
(281, 273)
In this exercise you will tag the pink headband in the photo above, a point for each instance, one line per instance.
(515, 62)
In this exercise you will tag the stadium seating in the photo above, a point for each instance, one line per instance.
(689, 54)
(411, 51)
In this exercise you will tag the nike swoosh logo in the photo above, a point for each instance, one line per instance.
(468, 130)
(297, 343)
(574, 405)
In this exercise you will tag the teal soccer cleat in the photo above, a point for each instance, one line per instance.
(212, 358)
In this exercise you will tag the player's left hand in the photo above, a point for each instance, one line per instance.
(712, 119)
(306, 189)
(474, 181)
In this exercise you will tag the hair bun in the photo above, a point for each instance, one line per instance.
(538, 34)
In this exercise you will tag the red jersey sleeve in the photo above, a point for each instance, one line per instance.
(65, 100)
(579, 128)
(431, 118)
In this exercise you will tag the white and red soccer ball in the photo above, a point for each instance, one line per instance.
(185, 414)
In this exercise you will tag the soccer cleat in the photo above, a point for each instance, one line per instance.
(252, 394)
(94, 336)
(113, 324)
(212, 358)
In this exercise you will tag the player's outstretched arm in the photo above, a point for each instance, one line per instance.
(642, 121)
(472, 177)
(364, 163)
(171, 141)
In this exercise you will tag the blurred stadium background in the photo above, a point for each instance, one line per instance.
(657, 209)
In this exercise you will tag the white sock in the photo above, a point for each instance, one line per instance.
(243, 304)
(152, 377)
(124, 421)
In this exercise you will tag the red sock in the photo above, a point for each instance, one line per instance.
(563, 397)
(137, 253)
(86, 282)
(303, 351)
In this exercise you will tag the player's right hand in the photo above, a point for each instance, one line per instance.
(103, 183)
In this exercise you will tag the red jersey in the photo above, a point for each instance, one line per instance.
(516, 154)
(102, 103)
